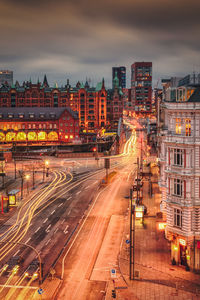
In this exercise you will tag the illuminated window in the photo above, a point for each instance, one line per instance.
(71, 136)
(52, 136)
(21, 136)
(177, 217)
(55, 126)
(10, 136)
(50, 126)
(42, 136)
(32, 136)
(178, 126)
(66, 136)
(188, 127)
(2, 137)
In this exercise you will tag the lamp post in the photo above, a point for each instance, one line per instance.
(15, 165)
(21, 173)
(35, 250)
(45, 166)
(27, 179)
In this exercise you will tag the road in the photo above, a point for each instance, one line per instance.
(50, 219)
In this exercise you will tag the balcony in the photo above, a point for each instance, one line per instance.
(171, 137)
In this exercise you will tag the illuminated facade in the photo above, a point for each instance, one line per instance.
(33, 125)
(141, 86)
(180, 173)
(89, 102)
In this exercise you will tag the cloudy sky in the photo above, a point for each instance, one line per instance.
(76, 39)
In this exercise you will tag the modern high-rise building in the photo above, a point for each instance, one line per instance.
(141, 86)
(6, 77)
(121, 74)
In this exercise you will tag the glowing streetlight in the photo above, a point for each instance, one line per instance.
(27, 176)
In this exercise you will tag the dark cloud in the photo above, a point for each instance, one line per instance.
(86, 38)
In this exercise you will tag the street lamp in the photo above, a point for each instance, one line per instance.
(27, 179)
(45, 165)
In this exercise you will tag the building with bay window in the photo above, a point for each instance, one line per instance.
(180, 172)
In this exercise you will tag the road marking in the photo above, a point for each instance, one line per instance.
(69, 212)
(65, 230)
(78, 192)
(53, 212)
(62, 221)
(16, 252)
(45, 220)
(69, 198)
(47, 230)
(56, 230)
(27, 241)
(47, 242)
(60, 204)
(86, 187)
(37, 229)
(95, 182)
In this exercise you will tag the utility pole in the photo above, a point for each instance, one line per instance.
(15, 164)
(21, 173)
(132, 238)
(33, 177)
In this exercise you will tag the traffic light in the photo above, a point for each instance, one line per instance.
(94, 149)
(113, 294)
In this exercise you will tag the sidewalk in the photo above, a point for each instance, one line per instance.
(158, 279)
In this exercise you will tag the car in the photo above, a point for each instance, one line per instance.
(13, 265)
(33, 270)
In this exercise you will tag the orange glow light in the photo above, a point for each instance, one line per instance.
(182, 242)
(161, 226)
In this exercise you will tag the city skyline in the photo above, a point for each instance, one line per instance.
(83, 39)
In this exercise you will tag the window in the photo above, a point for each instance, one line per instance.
(55, 126)
(178, 157)
(177, 217)
(188, 127)
(178, 187)
(178, 126)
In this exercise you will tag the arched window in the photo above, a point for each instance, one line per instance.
(32, 136)
(52, 136)
(21, 136)
(42, 136)
(10, 136)
(2, 137)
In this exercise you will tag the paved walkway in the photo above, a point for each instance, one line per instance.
(158, 279)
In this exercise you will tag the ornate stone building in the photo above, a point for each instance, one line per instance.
(180, 172)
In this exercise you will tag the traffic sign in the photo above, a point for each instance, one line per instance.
(40, 291)
(127, 241)
(113, 273)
